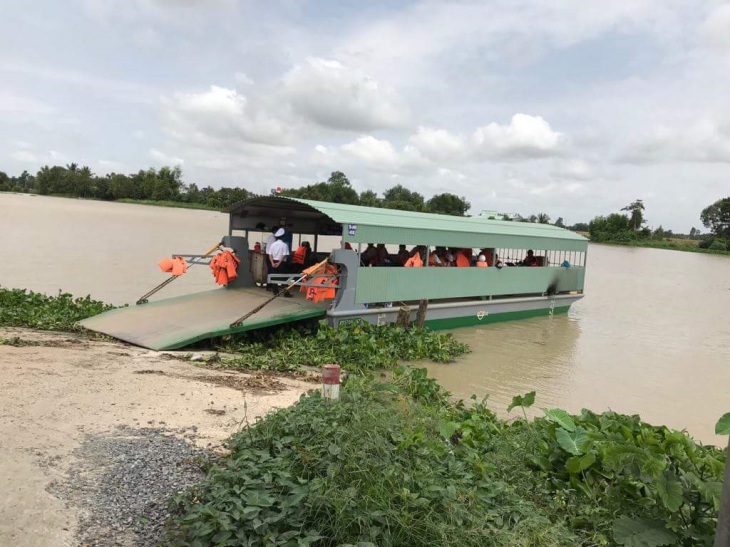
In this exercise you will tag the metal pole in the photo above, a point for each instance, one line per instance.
(722, 532)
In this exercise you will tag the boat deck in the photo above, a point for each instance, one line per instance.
(174, 323)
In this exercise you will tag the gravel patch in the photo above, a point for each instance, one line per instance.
(122, 482)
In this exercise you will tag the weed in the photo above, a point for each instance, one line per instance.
(22, 308)
(355, 346)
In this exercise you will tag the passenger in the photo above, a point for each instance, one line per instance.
(450, 258)
(463, 260)
(530, 259)
(498, 262)
(368, 255)
(403, 255)
(381, 256)
(277, 253)
(482, 262)
(301, 256)
(434, 260)
(348, 246)
(415, 260)
(487, 252)
(441, 253)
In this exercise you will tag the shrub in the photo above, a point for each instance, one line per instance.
(357, 346)
(399, 464)
(22, 308)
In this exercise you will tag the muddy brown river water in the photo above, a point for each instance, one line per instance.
(651, 337)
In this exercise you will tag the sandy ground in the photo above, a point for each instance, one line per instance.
(52, 395)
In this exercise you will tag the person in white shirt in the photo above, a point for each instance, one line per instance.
(277, 254)
(272, 237)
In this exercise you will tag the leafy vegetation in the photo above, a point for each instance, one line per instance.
(356, 346)
(398, 463)
(620, 229)
(165, 187)
(22, 308)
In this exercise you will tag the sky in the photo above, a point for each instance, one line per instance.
(566, 107)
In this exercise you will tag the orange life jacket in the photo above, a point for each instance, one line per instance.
(462, 261)
(175, 265)
(414, 262)
(225, 267)
(327, 290)
(482, 265)
(299, 255)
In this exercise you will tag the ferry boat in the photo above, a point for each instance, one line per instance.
(457, 296)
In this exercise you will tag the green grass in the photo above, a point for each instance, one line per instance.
(398, 464)
(161, 203)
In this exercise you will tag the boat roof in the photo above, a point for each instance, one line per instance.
(380, 225)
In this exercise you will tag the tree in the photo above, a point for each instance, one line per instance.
(614, 227)
(658, 233)
(448, 204)
(543, 218)
(337, 189)
(368, 198)
(400, 197)
(636, 208)
(532, 219)
(716, 217)
(692, 232)
(580, 227)
(559, 223)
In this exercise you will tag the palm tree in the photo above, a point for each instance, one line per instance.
(72, 167)
(543, 218)
(636, 209)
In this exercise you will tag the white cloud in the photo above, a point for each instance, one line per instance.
(52, 157)
(716, 28)
(335, 96)
(702, 141)
(162, 158)
(525, 137)
(438, 144)
(219, 115)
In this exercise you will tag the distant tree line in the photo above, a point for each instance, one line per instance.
(628, 228)
(166, 185)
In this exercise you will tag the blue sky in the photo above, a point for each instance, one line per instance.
(569, 108)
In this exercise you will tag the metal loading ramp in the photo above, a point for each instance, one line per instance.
(177, 322)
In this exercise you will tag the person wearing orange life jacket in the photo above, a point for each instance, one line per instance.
(415, 260)
(463, 260)
(300, 256)
(482, 262)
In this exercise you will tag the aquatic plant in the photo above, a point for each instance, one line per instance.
(399, 463)
(23, 308)
(355, 346)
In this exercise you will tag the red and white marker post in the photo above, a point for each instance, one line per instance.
(331, 382)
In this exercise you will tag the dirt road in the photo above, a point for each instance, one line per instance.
(64, 389)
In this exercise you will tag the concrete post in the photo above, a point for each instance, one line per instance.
(331, 382)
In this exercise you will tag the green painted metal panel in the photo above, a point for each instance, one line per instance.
(472, 320)
(397, 284)
(376, 225)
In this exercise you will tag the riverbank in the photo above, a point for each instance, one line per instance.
(399, 463)
(76, 412)
(687, 245)
(396, 462)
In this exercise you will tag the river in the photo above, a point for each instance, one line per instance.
(651, 337)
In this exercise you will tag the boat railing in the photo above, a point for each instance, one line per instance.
(295, 279)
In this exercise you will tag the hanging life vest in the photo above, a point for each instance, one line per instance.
(225, 267)
(175, 265)
(299, 255)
